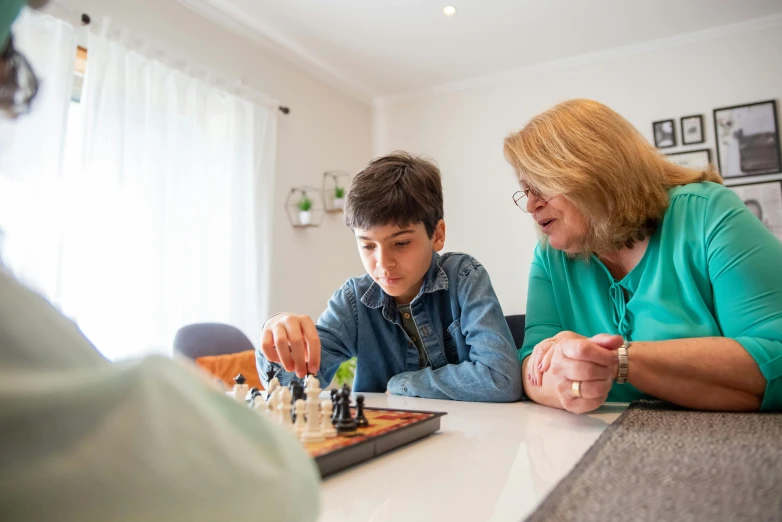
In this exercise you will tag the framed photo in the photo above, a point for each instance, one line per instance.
(664, 134)
(747, 138)
(764, 199)
(694, 159)
(692, 129)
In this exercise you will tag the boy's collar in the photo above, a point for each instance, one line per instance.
(434, 280)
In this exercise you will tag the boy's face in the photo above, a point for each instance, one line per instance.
(398, 258)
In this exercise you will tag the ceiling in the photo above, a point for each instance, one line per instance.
(381, 48)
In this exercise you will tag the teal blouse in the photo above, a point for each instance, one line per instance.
(711, 269)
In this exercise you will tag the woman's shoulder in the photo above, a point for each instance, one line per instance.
(696, 196)
(704, 189)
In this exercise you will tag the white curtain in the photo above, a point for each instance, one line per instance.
(31, 156)
(164, 211)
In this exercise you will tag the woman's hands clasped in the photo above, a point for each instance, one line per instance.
(582, 369)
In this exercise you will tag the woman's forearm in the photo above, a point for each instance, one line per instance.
(707, 373)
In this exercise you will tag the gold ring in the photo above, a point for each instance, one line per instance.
(575, 389)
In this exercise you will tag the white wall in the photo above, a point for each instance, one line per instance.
(463, 127)
(326, 130)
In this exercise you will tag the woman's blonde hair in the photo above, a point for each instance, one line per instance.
(595, 158)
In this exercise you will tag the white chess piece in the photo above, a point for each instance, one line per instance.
(300, 407)
(312, 432)
(274, 383)
(240, 392)
(274, 404)
(326, 428)
(284, 409)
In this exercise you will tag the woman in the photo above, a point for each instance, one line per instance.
(650, 279)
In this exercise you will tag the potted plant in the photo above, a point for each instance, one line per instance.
(305, 210)
(339, 197)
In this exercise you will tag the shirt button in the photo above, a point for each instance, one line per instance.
(407, 316)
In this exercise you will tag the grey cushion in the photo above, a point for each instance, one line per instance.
(200, 339)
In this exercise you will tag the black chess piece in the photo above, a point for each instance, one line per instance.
(251, 395)
(345, 422)
(239, 379)
(334, 404)
(255, 395)
(361, 419)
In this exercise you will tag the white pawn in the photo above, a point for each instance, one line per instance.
(240, 392)
(300, 408)
(274, 383)
(284, 409)
(326, 428)
(260, 405)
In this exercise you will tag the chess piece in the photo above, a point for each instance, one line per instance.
(334, 396)
(297, 392)
(254, 397)
(273, 402)
(240, 389)
(259, 404)
(312, 432)
(326, 428)
(361, 419)
(251, 395)
(345, 422)
(300, 406)
(284, 408)
(273, 385)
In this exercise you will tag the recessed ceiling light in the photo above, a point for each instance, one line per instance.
(449, 10)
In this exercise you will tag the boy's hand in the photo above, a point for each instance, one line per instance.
(292, 341)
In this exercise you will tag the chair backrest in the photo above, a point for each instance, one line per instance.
(201, 339)
(516, 324)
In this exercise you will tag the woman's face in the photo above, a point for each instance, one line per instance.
(559, 219)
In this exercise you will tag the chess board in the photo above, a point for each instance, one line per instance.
(387, 430)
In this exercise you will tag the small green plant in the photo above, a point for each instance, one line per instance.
(339, 192)
(305, 204)
(346, 372)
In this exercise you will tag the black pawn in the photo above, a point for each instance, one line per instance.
(255, 395)
(345, 422)
(361, 419)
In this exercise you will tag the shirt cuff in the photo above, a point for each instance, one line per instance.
(397, 385)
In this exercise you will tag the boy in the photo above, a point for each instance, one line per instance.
(420, 324)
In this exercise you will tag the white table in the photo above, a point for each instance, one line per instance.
(488, 462)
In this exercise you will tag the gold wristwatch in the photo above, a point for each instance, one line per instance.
(621, 377)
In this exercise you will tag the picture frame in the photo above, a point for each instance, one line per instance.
(764, 199)
(664, 132)
(699, 159)
(692, 129)
(747, 140)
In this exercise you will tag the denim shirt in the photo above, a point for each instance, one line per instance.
(467, 340)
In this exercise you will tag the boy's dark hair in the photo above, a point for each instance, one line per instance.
(397, 189)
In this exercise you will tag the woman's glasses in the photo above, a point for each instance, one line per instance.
(520, 197)
(18, 83)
